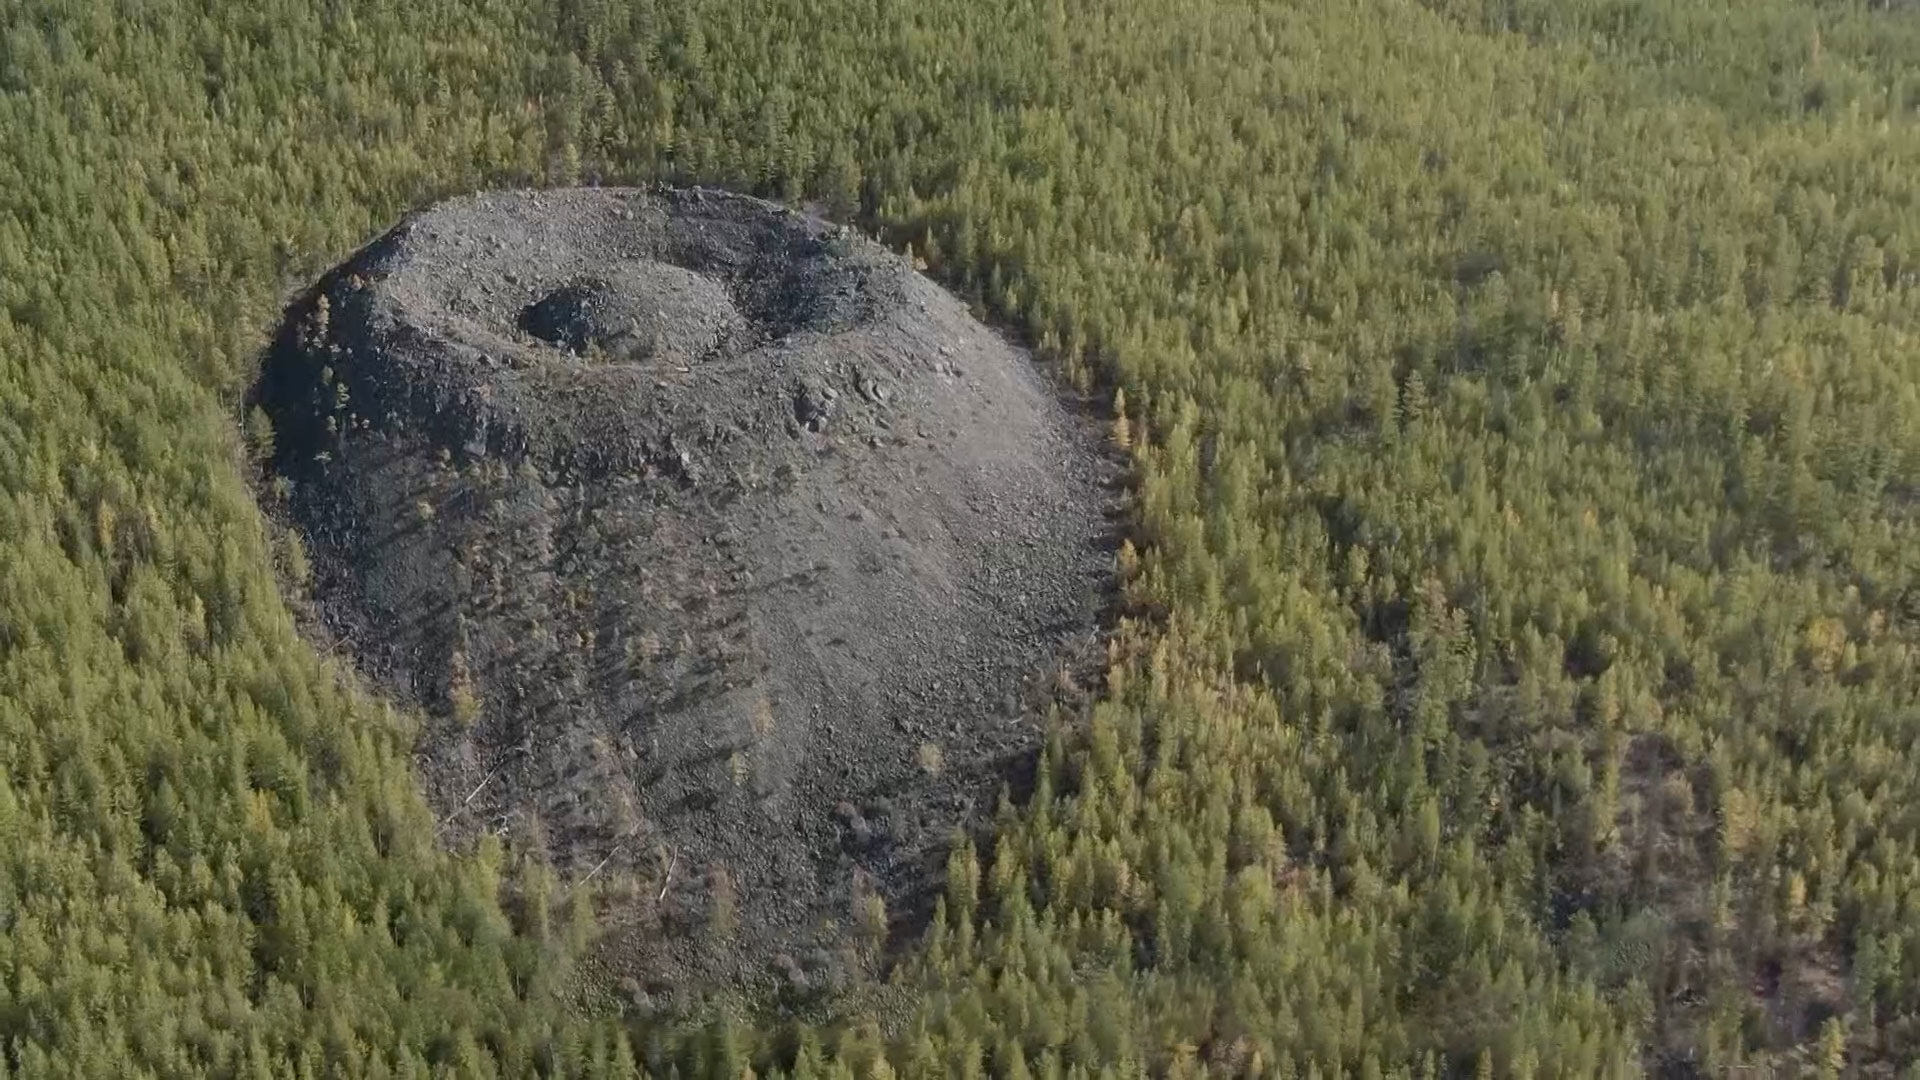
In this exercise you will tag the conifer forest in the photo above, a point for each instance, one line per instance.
(1514, 669)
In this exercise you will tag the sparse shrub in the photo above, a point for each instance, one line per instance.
(1127, 562)
(723, 902)
(869, 912)
(258, 433)
(294, 563)
(932, 760)
(462, 698)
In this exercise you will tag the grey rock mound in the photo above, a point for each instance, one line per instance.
(728, 556)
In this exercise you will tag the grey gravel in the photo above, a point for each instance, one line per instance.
(615, 486)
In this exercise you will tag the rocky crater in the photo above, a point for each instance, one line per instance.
(728, 557)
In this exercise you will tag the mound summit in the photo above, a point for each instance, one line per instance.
(728, 556)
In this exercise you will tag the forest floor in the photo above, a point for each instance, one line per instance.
(733, 563)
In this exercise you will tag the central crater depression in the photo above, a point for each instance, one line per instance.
(729, 558)
(650, 311)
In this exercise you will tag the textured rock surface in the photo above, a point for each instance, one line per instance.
(711, 537)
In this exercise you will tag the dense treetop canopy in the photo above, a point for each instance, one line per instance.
(1523, 606)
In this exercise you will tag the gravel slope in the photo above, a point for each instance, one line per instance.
(727, 554)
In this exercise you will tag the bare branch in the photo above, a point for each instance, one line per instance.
(591, 874)
(665, 885)
(466, 802)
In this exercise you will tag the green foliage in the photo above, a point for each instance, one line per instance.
(1525, 581)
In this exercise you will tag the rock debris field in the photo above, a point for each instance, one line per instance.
(731, 560)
